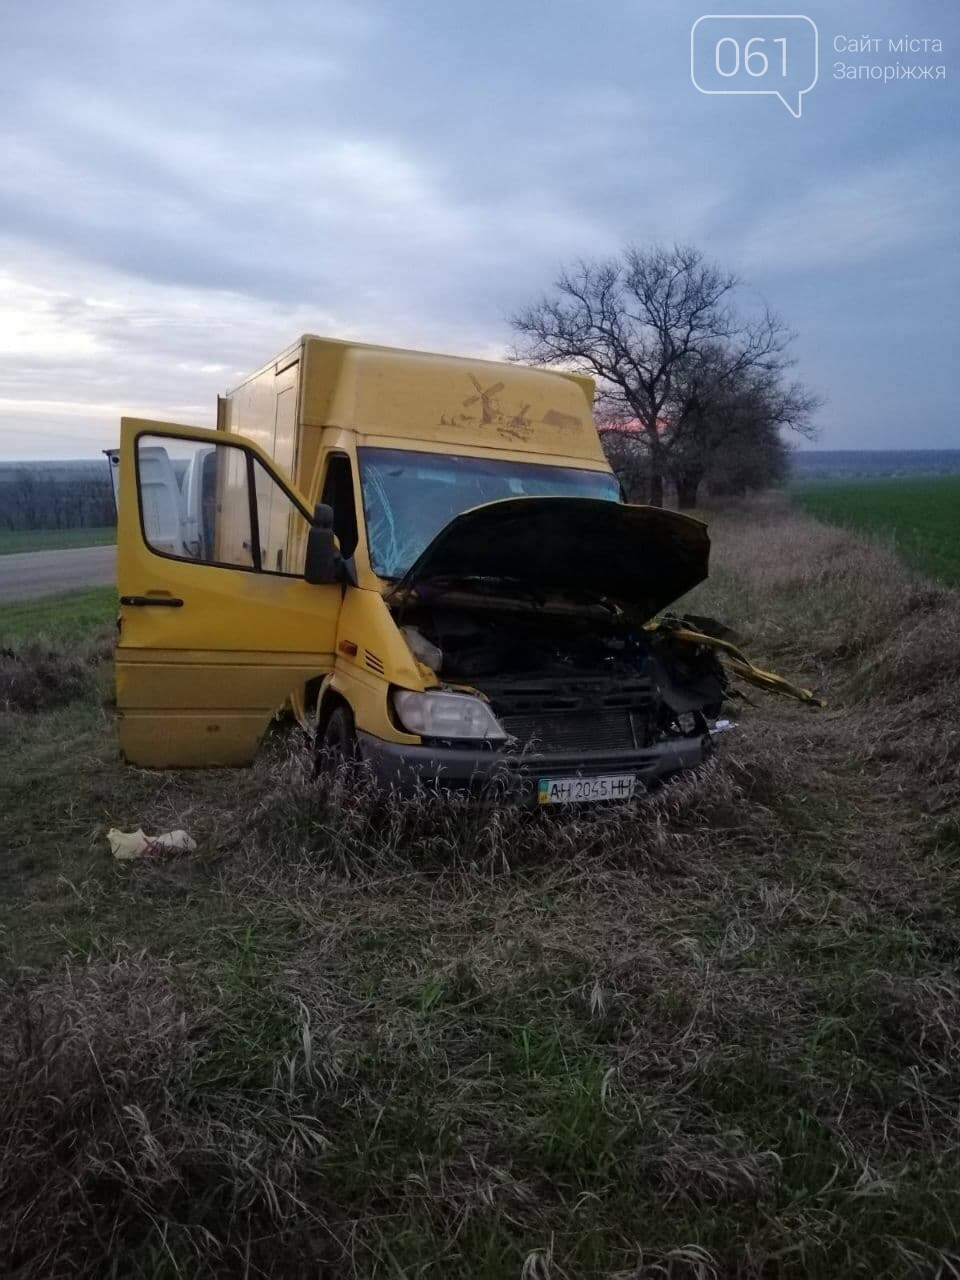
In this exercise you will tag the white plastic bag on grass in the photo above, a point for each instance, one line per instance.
(134, 844)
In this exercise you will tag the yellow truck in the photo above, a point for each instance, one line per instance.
(427, 558)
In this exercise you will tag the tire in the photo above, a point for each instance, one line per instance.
(338, 742)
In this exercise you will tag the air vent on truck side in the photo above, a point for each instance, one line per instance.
(373, 662)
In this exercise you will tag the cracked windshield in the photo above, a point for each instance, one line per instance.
(409, 497)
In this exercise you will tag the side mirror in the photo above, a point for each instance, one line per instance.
(324, 563)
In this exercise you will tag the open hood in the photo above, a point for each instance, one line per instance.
(640, 558)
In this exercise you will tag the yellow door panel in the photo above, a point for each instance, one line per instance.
(217, 622)
(171, 683)
(228, 610)
(185, 739)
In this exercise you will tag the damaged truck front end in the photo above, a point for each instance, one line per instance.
(534, 616)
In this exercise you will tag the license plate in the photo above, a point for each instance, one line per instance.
(610, 786)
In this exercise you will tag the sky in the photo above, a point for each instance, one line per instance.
(188, 187)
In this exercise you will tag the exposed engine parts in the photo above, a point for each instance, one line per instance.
(571, 680)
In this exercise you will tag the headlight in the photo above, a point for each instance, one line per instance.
(436, 714)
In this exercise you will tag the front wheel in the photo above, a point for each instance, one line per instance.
(338, 742)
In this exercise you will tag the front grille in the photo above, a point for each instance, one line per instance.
(574, 711)
(609, 730)
(552, 696)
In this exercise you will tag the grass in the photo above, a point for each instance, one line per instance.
(714, 1033)
(17, 540)
(52, 649)
(63, 619)
(919, 518)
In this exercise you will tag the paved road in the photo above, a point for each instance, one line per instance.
(40, 573)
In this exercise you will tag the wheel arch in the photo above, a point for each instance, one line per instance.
(328, 697)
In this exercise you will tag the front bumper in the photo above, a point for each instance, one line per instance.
(405, 768)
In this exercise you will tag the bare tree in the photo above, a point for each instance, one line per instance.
(640, 324)
(742, 467)
(733, 416)
(627, 454)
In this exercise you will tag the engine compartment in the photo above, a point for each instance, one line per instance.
(562, 676)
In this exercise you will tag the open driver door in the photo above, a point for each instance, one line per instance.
(217, 623)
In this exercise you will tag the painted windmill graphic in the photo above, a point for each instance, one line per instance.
(516, 425)
(489, 405)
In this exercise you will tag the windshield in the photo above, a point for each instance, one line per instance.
(409, 497)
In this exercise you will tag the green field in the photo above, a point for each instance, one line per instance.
(15, 540)
(61, 619)
(919, 518)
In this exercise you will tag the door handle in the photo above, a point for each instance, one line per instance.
(167, 602)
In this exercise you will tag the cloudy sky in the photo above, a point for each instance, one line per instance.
(188, 186)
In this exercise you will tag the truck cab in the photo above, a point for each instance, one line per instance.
(427, 558)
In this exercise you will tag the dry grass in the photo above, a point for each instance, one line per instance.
(717, 1033)
(38, 675)
(52, 648)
